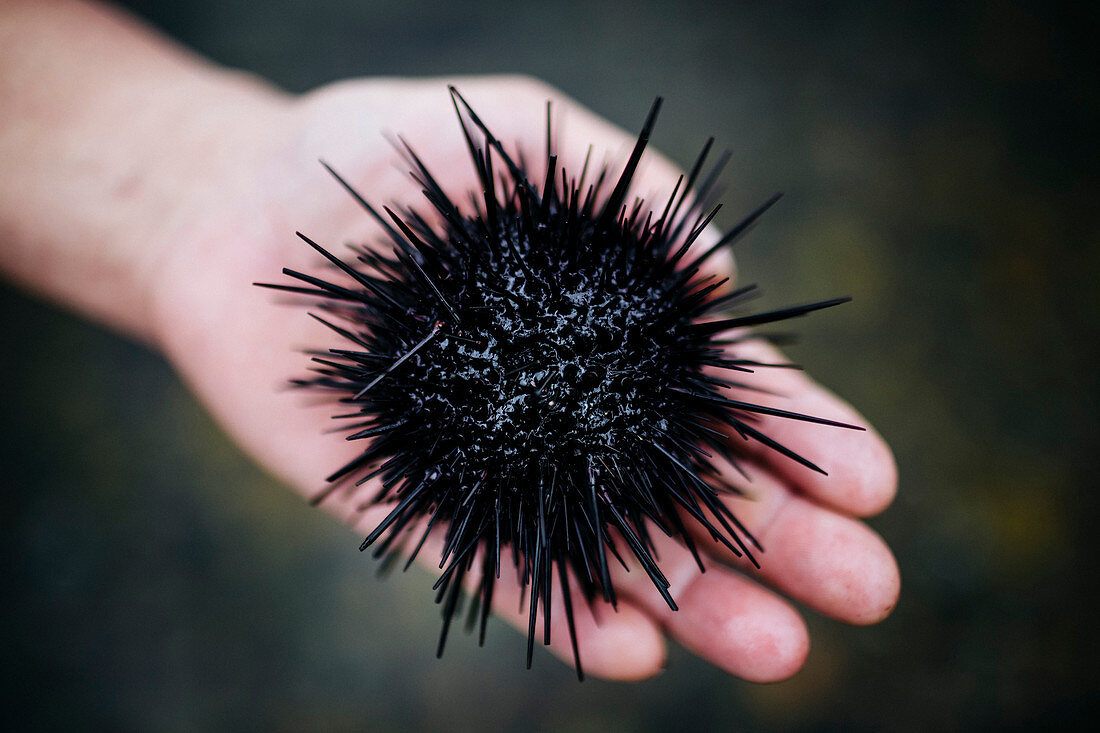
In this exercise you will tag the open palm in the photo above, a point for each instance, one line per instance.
(236, 348)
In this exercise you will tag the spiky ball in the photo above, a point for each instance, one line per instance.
(537, 374)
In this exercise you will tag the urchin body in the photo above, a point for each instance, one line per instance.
(537, 376)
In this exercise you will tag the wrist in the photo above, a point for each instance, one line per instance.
(111, 136)
(214, 133)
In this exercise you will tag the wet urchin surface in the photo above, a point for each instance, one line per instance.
(544, 374)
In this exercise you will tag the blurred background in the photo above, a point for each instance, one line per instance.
(940, 166)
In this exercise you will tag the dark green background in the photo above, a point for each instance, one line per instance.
(940, 165)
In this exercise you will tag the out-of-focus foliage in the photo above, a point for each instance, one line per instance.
(940, 165)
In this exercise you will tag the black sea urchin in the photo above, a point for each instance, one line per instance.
(534, 374)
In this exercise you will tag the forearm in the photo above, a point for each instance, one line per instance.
(107, 130)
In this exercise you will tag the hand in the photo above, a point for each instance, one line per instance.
(235, 347)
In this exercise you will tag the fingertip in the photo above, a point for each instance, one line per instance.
(834, 563)
(626, 646)
(783, 651)
(621, 643)
(875, 486)
(860, 474)
(883, 587)
(751, 632)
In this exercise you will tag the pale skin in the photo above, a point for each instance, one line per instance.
(146, 188)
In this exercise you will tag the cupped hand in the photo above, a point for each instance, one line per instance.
(237, 348)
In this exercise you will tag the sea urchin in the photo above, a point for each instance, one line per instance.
(536, 373)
